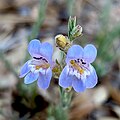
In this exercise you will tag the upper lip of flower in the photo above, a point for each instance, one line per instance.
(86, 54)
(41, 53)
(40, 50)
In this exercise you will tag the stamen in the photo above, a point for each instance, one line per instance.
(81, 71)
(44, 66)
(78, 60)
(77, 67)
(83, 62)
(72, 62)
(37, 67)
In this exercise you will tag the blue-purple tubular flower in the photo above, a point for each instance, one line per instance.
(39, 67)
(78, 72)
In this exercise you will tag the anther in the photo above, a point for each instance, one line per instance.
(37, 67)
(78, 60)
(82, 62)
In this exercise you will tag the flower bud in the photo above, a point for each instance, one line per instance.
(72, 22)
(62, 42)
(77, 31)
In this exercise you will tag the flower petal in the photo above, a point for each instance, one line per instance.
(31, 77)
(24, 70)
(90, 53)
(74, 52)
(65, 80)
(92, 79)
(46, 50)
(44, 79)
(78, 85)
(34, 48)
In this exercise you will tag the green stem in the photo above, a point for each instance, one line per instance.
(70, 7)
(65, 98)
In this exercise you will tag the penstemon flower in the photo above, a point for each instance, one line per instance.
(39, 67)
(79, 73)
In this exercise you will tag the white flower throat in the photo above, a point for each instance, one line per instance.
(38, 65)
(78, 68)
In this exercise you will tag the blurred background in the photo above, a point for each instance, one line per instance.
(23, 20)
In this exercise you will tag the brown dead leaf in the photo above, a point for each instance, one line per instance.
(115, 94)
(117, 110)
(84, 103)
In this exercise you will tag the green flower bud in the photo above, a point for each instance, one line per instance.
(77, 31)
